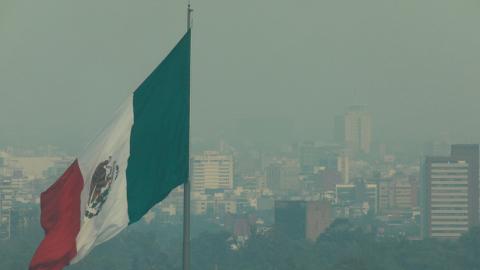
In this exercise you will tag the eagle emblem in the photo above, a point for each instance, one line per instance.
(105, 174)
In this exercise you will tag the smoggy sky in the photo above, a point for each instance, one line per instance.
(66, 65)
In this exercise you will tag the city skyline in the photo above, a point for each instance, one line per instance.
(247, 135)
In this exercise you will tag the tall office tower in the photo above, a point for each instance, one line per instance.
(354, 129)
(302, 219)
(309, 157)
(343, 167)
(358, 129)
(211, 171)
(450, 192)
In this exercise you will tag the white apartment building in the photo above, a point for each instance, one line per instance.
(211, 170)
(448, 194)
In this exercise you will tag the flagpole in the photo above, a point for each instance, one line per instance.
(186, 186)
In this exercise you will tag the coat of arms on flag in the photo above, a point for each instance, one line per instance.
(105, 173)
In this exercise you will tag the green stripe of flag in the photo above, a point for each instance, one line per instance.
(159, 142)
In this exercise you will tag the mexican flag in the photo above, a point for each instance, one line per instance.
(133, 164)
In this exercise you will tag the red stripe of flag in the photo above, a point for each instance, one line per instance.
(60, 218)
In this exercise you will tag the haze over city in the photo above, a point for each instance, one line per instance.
(415, 64)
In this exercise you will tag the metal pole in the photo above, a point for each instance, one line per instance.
(186, 187)
(186, 226)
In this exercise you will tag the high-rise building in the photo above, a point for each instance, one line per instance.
(354, 129)
(314, 156)
(302, 219)
(7, 194)
(282, 176)
(274, 175)
(359, 194)
(309, 156)
(397, 194)
(211, 171)
(403, 195)
(343, 167)
(450, 192)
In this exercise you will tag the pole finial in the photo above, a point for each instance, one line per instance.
(189, 15)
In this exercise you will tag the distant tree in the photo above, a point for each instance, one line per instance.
(345, 245)
(470, 248)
